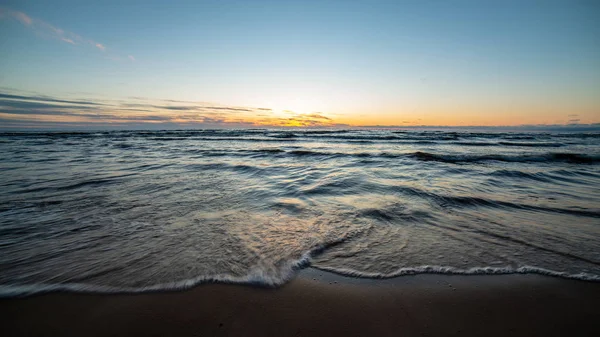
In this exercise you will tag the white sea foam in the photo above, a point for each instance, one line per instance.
(259, 277)
(457, 271)
(256, 276)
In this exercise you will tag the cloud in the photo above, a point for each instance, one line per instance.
(4, 96)
(23, 109)
(318, 116)
(227, 108)
(26, 107)
(297, 121)
(174, 107)
(213, 120)
(26, 20)
(192, 106)
(47, 30)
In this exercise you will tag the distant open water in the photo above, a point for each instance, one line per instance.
(137, 211)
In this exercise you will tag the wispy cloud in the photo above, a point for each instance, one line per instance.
(318, 116)
(26, 20)
(19, 109)
(47, 30)
(26, 110)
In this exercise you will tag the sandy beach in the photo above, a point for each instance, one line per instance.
(322, 304)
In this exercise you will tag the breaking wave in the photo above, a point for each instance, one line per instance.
(140, 211)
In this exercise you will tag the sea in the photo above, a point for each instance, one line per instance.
(136, 211)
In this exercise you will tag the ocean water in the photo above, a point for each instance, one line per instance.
(137, 210)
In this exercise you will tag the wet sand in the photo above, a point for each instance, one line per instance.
(322, 304)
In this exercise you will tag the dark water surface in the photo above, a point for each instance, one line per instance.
(129, 211)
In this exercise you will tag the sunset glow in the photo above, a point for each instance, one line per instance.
(315, 64)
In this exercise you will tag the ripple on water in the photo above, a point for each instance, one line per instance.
(140, 211)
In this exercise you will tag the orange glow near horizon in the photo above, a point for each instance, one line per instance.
(294, 113)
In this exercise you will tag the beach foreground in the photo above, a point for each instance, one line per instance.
(322, 304)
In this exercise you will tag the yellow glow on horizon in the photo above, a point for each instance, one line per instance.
(296, 105)
(304, 110)
(473, 115)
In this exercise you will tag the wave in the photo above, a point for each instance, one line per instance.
(349, 136)
(465, 201)
(447, 270)
(340, 133)
(113, 178)
(530, 144)
(473, 143)
(515, 174)
(283, 135)
(555, 177)
(258, 277)
(443, 200)
(550, 157)
(238, 168)
(95, 182)
(503, 143)
(574, 158)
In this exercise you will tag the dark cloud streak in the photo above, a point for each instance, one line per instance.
(318, 116)
(46, 99)
(29, 109)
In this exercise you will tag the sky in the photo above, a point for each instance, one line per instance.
(179, 64)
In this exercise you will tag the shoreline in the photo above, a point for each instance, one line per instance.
(24, 291)
(318, 303)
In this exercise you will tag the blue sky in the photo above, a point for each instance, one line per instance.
(350, 62)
